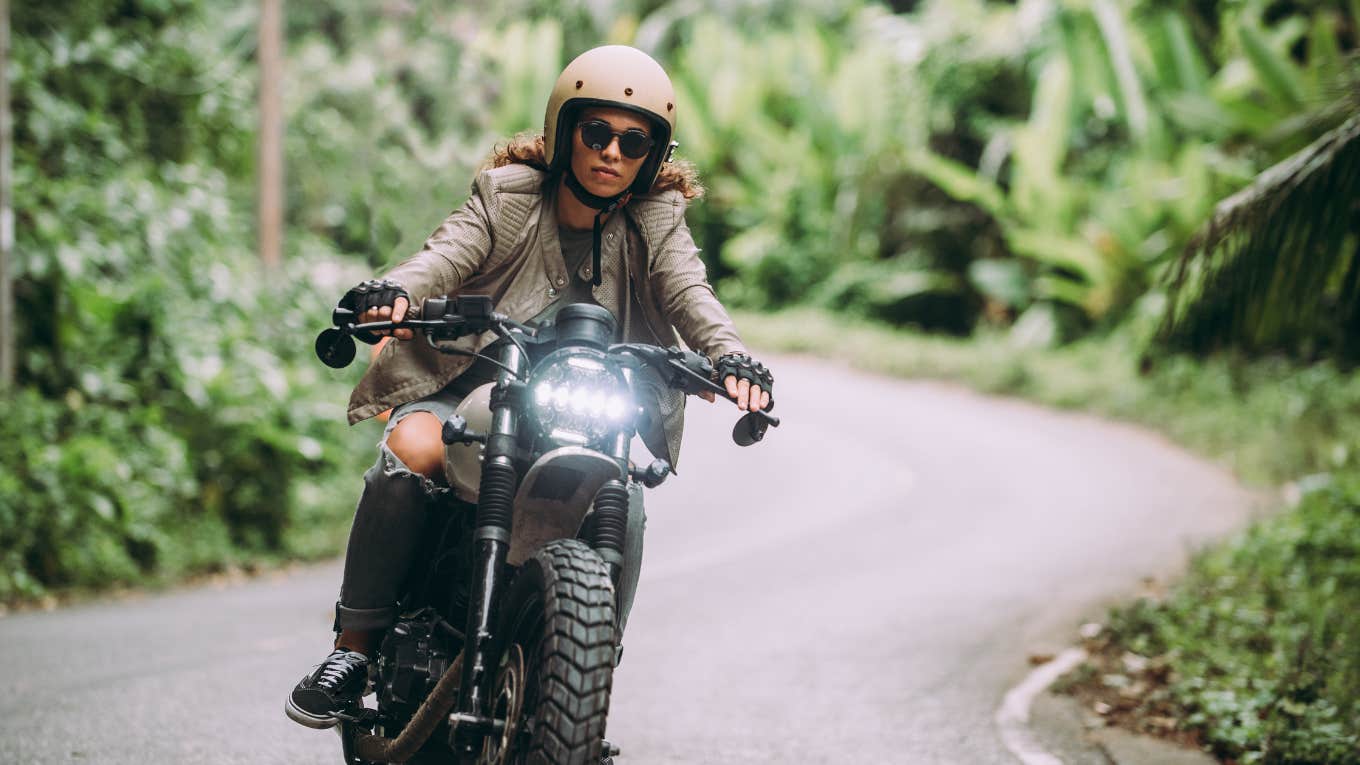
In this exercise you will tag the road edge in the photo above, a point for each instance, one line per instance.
(1012, 717)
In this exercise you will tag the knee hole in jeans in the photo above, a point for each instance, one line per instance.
(415, 441)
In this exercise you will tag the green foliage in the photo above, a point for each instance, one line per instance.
(167, 418)
(1278, 267)
(1134, 131)
(1273, 269)
(395, 109)
(1262, 636)
(802, 130)
(885, 165)
(120, 83)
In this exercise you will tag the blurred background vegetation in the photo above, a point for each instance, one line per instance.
(1106, 188)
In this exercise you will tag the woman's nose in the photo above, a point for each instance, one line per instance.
(611, 149)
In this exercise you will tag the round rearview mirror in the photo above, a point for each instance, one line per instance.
(335, 348)
(749, 429)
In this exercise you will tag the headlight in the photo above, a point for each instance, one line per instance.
(579, 396)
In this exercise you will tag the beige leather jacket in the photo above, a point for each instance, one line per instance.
(503, 242)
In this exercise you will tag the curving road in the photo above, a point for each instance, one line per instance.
(861, 587)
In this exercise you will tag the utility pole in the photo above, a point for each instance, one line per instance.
(7, 347)
(270, 161)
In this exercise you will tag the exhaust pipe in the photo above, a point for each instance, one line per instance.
(436, 707)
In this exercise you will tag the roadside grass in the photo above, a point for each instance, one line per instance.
(1256, 651)
(1255, 654)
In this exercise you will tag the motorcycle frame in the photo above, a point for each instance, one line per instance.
(471, 719)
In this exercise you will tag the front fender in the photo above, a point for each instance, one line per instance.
(555, 497)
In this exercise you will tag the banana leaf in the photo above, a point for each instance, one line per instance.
(1191, 73)
(1277, 74)
(1118, 44)
(960, 182)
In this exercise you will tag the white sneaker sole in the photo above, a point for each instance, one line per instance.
(302, 717)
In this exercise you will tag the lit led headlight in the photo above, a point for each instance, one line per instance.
(579, 396)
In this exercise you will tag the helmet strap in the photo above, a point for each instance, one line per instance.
(595, 257)
(586, 198)
(603, 206)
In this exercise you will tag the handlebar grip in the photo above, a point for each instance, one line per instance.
(343, 316)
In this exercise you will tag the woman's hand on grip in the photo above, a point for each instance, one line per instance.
(747, 381)
(380, 300)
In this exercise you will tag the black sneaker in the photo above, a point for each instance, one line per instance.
(336, 684)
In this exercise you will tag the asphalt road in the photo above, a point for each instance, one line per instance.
(861, 587)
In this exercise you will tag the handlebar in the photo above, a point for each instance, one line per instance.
(469, 315)
(449, 319)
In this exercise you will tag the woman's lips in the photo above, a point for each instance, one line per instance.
(604, 172)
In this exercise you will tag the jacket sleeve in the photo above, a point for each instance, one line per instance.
(680, 285)
(453, 253)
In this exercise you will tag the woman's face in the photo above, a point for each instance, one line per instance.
(606, 172)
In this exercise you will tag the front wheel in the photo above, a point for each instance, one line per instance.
(559, 618)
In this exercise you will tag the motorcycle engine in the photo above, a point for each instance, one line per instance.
(414, 656)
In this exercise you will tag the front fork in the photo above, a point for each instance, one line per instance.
(471, 719)
(610, 527)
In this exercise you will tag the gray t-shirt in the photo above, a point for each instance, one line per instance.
(577, 248)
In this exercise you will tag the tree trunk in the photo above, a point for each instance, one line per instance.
(7, 347)
(270, 164)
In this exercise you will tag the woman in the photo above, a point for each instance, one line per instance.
(591, 211)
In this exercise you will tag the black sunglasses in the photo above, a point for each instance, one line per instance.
(633, 143)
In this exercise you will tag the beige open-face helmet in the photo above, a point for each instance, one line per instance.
(617, 76)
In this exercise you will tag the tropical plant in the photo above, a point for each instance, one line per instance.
(1132, 134)
(165, 419)
(800, 131)
(1277, 268)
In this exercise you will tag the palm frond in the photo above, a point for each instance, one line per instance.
(1277, 268)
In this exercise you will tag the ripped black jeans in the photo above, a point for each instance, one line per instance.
(390, 520)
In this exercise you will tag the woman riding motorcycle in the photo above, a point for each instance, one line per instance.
(591, 211)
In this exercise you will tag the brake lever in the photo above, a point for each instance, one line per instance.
(704, 377)
(692, 373)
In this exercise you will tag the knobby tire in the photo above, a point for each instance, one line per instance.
(561, 613)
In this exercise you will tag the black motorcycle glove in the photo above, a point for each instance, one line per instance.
(374, 293)
(746, 368)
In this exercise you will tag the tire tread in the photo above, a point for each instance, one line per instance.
(577, 661)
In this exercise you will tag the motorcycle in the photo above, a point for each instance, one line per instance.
(527, 553)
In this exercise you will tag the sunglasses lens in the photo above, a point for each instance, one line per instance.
(596, 135)
(634, 144)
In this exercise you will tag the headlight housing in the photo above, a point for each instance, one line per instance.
(579, 396)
